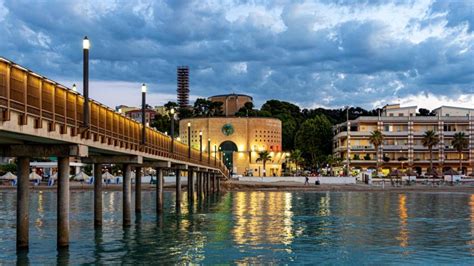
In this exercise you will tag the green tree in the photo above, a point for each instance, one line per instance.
(429, 140)
(170, 105)
(185, 113)
(9, 167)
(296, 156)
(460, 142)
(264, 157)
(314, 138)
(376, 139)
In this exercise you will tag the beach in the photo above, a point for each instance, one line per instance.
(233, 185)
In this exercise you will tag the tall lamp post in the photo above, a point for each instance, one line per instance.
(85, 82)
(143, 114)
(172, 128)
(189, 140)
(200, 145)
(209, 151)
(348, 140)
(215, 154)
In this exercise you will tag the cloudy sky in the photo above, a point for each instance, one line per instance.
(312, 53)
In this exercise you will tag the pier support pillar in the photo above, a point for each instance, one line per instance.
(213, 182)
(127, 195)
(206, 183)
(218, 184)
(159, 190)
(190, 185)
(178, 189)
(22, 203)
(198, 184)
(63, 202)
(138, 189)
(97, 195)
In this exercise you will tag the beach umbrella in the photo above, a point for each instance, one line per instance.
(433, 172)
(108, 176)
(450, 171)
(35, 176)
(8, 176)
(395, 173)
(54, 177)
(411, 173)
(81, 176)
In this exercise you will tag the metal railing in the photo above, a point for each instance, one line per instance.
(33, 95)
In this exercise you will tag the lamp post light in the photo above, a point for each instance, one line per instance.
(209, 151)
(215, 154)
(200, 145)
(172, 128)
(85, 82)
(74, 88)
(189, 140)
(348, 125)
(143, 114)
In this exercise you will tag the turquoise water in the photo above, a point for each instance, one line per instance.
(254, 227)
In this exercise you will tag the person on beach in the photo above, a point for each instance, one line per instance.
(306, 181)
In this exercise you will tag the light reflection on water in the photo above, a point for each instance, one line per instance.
(252, 227)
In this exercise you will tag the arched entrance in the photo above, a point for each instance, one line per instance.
(228, 148)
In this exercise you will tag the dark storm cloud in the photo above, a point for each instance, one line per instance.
(313, 53)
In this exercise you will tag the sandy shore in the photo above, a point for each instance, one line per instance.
(276, 186)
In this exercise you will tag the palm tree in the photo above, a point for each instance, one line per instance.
(297, 157)
(460, 142)
(264, 156)
(429, 140)
(376, 139)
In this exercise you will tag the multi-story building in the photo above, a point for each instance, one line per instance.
(137, 115)
(402, 145)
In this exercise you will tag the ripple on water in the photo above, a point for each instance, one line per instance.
(253, 227)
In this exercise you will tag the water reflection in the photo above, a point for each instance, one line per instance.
(262, 218)
(402, 209)
(252, 227)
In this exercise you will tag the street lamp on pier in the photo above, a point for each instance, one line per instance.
(172, 128)
(143, 114)
(74, 88)
(85, 82)
(200, 145)
(215, 154)
(189, 140)
(209, 150)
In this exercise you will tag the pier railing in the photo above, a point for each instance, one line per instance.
(33, 95)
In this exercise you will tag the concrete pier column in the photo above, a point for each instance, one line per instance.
(191, 185)
(22, 203)
(178, 188)
(198, 184)
(138, 189)
(206, 183)
(127, 195)
(159, 190)
(218, 184)
(213, 182)
(63, 202)
(97, 195)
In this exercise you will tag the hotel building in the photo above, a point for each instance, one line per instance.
(403, 132)
(237, 139)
